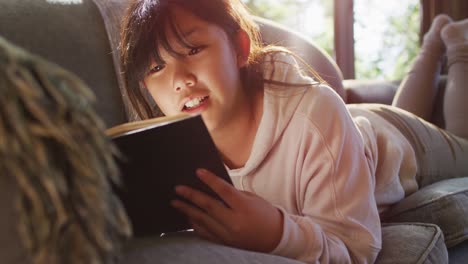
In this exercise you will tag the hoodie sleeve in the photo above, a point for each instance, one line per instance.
(338, 220)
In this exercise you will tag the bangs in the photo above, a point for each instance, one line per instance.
(154, 35)
(145, 36)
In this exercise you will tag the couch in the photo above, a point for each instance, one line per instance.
(430, 226)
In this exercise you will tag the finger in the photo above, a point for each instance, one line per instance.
(201, 219)
(210, 205)
(201, 231)
(226, 191)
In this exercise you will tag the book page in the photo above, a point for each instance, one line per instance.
(136, 125)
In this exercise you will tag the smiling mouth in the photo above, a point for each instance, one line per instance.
(194, 103)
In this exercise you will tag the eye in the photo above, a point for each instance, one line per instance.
(195, 51)
(156, 69)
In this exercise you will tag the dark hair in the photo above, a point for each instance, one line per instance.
(143, 30)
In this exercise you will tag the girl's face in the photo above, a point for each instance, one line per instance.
(205, 79)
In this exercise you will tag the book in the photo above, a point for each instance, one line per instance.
(156, 155)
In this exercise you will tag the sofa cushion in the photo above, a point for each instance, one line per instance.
(187, 248)
(444, 203)
(409, 243)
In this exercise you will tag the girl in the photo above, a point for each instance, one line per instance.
(310, 174)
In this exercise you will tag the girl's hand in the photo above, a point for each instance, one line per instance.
(250, 223)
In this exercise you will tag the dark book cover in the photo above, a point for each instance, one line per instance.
(156, 159)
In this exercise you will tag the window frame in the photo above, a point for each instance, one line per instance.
(344, 37)
(344, 27)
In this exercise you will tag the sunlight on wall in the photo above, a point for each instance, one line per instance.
(65, 2)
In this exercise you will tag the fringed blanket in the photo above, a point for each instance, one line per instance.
(53, 145)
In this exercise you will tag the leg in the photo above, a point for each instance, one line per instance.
(417, 91)
(439, 154)
(455, 37)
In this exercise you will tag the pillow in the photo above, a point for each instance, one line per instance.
(444, 203)
(412, 243)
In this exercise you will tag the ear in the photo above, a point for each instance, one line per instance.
(243, 47)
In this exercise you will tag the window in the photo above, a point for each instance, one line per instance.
(369, 39)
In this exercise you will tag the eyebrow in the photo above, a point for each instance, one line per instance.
(191, 31)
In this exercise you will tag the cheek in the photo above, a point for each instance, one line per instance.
(163, 100)
(162, 97)
(224, 69)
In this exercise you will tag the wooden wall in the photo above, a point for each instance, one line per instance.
(457, 9)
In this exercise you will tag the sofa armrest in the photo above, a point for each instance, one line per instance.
(72, 36)
(310, 53)
(370, 91)
(379, 91)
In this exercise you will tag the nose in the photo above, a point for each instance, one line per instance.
(184, 80)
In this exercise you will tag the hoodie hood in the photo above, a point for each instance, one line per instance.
(283, 79)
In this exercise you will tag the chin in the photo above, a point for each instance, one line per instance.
(211, 126)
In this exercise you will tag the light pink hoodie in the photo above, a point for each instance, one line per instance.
(309, 160)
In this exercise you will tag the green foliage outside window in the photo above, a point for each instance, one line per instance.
(397, 49)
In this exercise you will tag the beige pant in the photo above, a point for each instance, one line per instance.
(440, 154)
